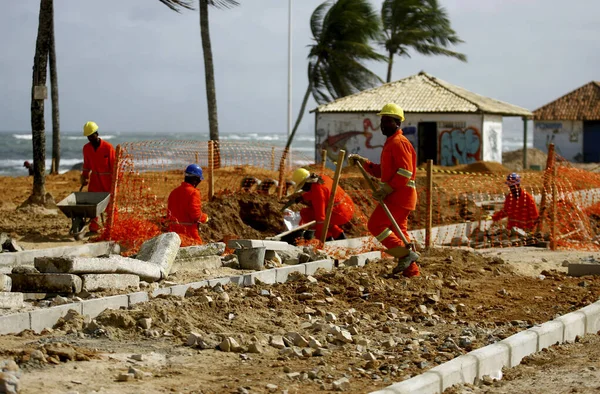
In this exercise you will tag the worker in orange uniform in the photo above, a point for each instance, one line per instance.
(519, 206)
(397, 171)
(316, 192)
(184, 208)
(98, 161)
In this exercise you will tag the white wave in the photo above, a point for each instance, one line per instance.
(22, 136)
(81, 137)
(305, 138)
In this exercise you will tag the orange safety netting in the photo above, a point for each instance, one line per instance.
(245, 181)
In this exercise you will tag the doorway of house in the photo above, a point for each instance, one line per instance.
(591, 142)
(427, 142)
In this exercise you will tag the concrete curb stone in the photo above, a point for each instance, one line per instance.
(96, 306)
(48, 317)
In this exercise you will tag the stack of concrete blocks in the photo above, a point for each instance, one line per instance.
(9, 299)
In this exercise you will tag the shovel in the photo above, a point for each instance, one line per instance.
(278, 236)
(374, 188)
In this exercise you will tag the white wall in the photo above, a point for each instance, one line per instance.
(458, 135)
(492, 138)
(566, 135)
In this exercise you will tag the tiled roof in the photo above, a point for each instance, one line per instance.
(422, 93)
(580, 104)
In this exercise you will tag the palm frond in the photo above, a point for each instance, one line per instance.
(223, 3)
(177, 5)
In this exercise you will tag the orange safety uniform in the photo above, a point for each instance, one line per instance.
(100, 163)
(397, 169)
(521, 211)
(318, 198)
(184, 211)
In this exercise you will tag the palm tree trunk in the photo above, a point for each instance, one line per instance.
(299, 119)
(390, 64)
(40, 64)
(209, 74)
(55, 107)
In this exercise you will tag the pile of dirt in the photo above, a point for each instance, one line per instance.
(482, 166)
(514, 159)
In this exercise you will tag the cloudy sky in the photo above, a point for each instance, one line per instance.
(134, 65)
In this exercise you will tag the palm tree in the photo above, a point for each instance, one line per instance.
(54, 98)
(342, 31)
(38, 136)
(421, 25)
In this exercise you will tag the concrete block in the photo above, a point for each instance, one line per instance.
(46, 283)
(460, 370)
(251, 258)
(47, 317)
(179, 290)
(426, 383)
(282, 273)
(137, 298)
(197, 264)
(10, 300)
(161, 291)
(94, 307)
(100, 282)
(14, 324)
(5, 282)
(360, 260)
(224, 281)
(521, 345)
(313, 266)
(491, 359)
(237, 280)
(574, 323)
(266, 276)
(583, 269)
(193, 252)
(197, 285)
(114, 264)
(548, 334)
(161, 250)
(592, 317)
(10, 260)
(254, 243)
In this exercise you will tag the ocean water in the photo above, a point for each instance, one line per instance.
(16, 147)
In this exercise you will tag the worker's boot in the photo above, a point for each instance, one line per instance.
(94, 226)
(406, 259)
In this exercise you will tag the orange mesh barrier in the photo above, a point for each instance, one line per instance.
(244, 181)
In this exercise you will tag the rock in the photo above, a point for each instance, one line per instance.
(342, 384)
(145, 323)
(344, 336)
(9, 383)
(271, 387)
(312, 280)
(64, 353)
(229, 344)
(389, 343)
(305, 296)
(293, 375)
(565, 263)
(137, 357)
(162, 251)
(204, 299)
(125, 377)
(277, 342)
(296, 339)
(330, 317)
(224, 297)
(313, 343)
(230, 261)
(369, 356)
(321, 352)
(138, 374)
(38, 356)
(255, 348)
(193, 339)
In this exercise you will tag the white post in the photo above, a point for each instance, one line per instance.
(289, 109)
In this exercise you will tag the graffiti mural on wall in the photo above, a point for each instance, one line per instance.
(460, 146)
(333, 143)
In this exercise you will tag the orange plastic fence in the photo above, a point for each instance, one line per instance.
(568, 198)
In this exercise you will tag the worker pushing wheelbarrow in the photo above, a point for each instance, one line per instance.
(98, 161)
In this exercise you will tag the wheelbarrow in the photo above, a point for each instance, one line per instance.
(82, 207)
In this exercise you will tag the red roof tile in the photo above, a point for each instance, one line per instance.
(581, 104)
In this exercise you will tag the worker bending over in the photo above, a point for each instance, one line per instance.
(98, 161)
(519, 206)
(184, 208)
(315, 191)
(397, 170)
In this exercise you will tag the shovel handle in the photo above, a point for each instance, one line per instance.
(366, 175)
(305, 225)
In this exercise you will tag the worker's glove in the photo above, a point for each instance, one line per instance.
(354, 158)
(383, 191)
(83, 180)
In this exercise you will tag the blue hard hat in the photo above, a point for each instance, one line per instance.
(194, 170)
(513, 179)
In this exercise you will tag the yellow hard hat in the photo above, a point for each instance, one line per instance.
(300, 176)
(89, 128)
(392, 110)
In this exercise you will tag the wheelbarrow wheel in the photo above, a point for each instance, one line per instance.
(77, 228)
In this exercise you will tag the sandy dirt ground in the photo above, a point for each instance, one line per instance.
(356, 324)
(569, 368)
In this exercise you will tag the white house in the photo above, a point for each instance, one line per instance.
(444, 122)
(572, 124)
